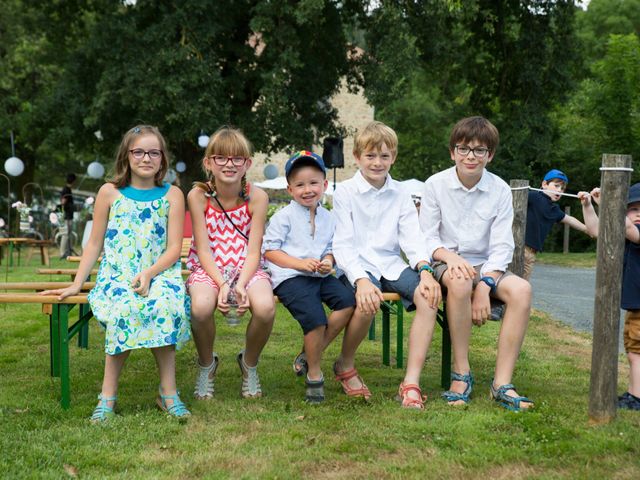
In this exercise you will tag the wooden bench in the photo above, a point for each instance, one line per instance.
(60, 333)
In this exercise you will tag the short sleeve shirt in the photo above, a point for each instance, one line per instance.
(631, 276)
(542, 214)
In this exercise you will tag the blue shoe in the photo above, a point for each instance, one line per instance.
(103, 411)
(177, 409)
(510, 403)
(451, 396)
(627, 401)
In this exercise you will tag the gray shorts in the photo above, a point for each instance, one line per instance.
(405, 286)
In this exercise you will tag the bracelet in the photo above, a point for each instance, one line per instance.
(428, 268)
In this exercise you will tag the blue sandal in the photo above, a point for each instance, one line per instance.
(451, 396)
(510, 403)
(103, 411)
(177, 409)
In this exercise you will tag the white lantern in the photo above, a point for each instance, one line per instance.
(170, 176)
(203, 140)
(14, 166)
(95, 170)
(181, 167)
(270, 171)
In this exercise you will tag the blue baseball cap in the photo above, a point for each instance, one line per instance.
(634, 193)
(316, 160)
(555, 173)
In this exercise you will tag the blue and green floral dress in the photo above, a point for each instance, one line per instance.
(136, 236)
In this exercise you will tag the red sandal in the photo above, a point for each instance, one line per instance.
(344, 377)
(408, 402)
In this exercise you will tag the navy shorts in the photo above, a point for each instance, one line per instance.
(405, 286)
(303, 297)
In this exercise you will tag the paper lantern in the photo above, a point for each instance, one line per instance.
(270, 171)
(14, 166)
(170, 176)
(181, 167)
(95, 170)
(203, 140)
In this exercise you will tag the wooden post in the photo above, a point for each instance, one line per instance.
(567, 228)
(520, 193)
(606, 312)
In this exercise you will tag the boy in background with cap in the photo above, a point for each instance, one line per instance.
(297, 247)
(542, 213)
(630, 302)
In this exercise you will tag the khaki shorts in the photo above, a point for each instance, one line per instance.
(632, 331)
(529, 261)
(440, 267)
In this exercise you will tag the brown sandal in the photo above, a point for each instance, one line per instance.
(408, 402)
(344, 377)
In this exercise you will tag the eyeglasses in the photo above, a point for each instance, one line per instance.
(139, 153)
(478, 152)
(222, 160)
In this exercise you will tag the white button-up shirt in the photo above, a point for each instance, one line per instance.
(475, 223)
(289, 230)
(372, 226)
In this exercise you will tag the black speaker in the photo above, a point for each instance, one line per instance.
(332, 152)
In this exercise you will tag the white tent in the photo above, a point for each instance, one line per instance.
(278, 183)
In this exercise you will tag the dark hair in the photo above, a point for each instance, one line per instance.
(122, 171)
(305, 162)
(71, 177)
(475, 128)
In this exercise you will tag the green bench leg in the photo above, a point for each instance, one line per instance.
(386, 330)
(399, 334)
(372, 329)
(83, 333)
(445, 374)
(54, 343)
(63, 341)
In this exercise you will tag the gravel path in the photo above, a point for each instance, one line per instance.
(567, 294)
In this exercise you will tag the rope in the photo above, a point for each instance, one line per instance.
(616, 169)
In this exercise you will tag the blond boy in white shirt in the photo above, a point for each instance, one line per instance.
(466, 214)
(375, 220)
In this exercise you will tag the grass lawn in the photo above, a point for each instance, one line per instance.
(279, 436)
(585, 260)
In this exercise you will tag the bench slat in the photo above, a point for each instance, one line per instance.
(43, 299)
(42, 285)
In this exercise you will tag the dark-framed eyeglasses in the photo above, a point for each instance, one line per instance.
(478, 152)
(222, 160)
(139, 153)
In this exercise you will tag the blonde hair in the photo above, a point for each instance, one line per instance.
(373, 136)
(122, 170)
(229, 142)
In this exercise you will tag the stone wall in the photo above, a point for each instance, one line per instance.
(353, 113)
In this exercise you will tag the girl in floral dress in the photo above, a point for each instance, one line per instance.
(139, 297)
(228, 217)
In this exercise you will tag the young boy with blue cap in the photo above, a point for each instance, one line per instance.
(298, 248)
(629, 400)
(542, 213)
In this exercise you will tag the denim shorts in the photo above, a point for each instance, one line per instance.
(405, 286)
(303, 297)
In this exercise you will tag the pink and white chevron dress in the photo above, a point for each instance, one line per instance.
(228, 246)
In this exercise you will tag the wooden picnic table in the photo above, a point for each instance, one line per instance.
(60, 333)
(14, 242)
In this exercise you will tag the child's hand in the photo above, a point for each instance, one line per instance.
(595, 194)
(430, 289)
(325, 266)
(223, 297)
(585, 198)
(62, 293)
(242, 299)
(368, 296)
(458, 267)
(141, 283)
(480, 305)
(308, 265)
